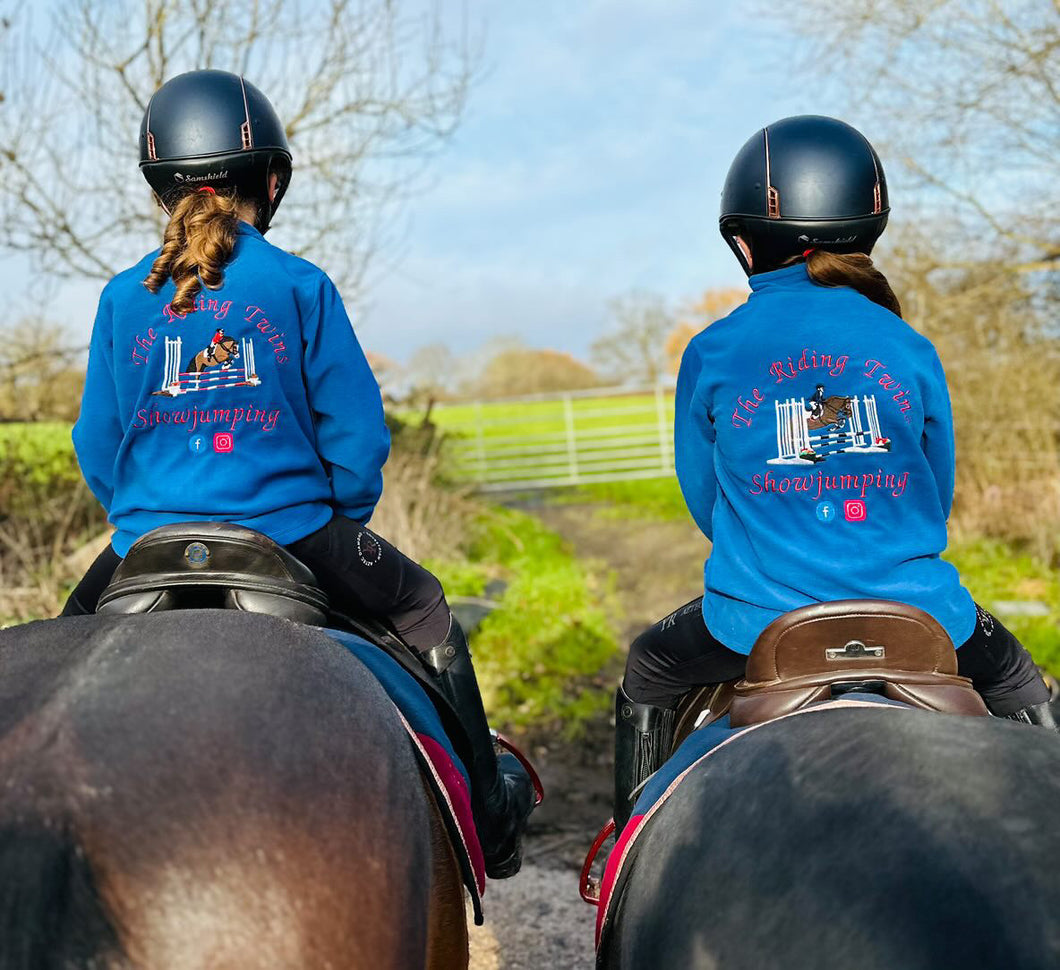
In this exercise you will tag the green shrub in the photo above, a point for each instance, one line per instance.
(37, 462)
(545, 655)
(993, 572)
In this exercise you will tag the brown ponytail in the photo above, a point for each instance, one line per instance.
(197, 243)
(854, 270)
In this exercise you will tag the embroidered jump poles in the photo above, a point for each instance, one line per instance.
(211, 377)
(796, 446)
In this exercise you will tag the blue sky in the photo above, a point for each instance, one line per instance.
(589, 162)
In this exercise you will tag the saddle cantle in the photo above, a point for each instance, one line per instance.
(213, 564)
(217, 565)
(828, 649)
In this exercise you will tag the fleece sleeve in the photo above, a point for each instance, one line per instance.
(937, 441)
(694, 444)
(98, 432)
(352, 436)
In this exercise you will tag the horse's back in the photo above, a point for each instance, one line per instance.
(228, 784)
(852, 838)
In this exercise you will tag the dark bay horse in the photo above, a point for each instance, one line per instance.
(870, 839)
(184, 791)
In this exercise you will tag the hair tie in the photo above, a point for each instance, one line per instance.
(805, 253)
(207, 188)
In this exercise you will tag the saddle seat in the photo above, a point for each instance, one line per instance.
(827, 649)
(196, 565)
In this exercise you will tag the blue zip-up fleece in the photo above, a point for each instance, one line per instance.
(258, 407)
(814, 447)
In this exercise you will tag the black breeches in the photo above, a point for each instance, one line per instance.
(364, 574)
(999, 667)
(679, 653)
(361, 573)
(86, 593)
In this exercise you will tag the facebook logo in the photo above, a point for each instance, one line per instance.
(826, 512)
(197, 444)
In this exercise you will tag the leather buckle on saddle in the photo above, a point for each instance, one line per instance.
(855, 650)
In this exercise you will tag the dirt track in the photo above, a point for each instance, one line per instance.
(537, 920)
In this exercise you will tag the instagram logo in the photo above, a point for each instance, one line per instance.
(223, 443)
(855, 510)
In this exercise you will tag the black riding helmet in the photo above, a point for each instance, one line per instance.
(803, 182)
(215, 129)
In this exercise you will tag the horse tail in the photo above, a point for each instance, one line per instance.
(52, 915)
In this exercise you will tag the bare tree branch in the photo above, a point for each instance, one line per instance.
(369, 89)
(967, 93)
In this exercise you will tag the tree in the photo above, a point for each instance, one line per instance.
(358, 84)
(430, 374)
(712, 305)
(517, 370)
(633, 351)
(41, 376)
(965, 97)
(965, 94)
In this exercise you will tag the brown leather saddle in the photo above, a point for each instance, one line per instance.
(826, 650)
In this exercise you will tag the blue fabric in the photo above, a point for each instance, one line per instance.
(792, 527)
(279, 447)
(403, 690)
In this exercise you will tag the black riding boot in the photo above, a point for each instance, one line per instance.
(644, 735)
(1039, 714)
(502, 794)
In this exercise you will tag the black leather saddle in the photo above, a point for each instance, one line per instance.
(217, 565)
(203, 565)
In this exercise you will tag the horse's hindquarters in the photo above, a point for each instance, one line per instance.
(851, 838)
(239, 788)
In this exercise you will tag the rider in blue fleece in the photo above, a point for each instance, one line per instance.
(280, 441)
(862, 512)
(813, 445)
(225, 383)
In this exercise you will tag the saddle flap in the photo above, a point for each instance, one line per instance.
(846, 635)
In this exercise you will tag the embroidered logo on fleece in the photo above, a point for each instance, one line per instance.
(829, 424)
(846, 424)
(211, 369)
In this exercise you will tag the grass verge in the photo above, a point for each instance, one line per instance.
(547, 656)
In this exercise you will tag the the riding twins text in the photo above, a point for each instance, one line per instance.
(788, 369)
(253, 314)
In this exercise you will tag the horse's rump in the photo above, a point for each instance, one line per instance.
(851, 838)
(229, 785)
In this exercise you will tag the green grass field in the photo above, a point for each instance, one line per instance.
(506, 419)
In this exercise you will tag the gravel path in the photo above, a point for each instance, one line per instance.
(537, 920)
(534, 921)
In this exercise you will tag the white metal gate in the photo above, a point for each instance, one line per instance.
(574, 438)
